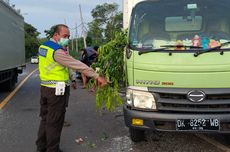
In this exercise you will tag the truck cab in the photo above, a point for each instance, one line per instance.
(178, 68)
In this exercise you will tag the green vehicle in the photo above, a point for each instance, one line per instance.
(178, 66)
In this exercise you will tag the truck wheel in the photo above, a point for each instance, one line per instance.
(136, 135)
(227, 138)
(9, 85)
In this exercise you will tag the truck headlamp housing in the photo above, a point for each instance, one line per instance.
(140, 99)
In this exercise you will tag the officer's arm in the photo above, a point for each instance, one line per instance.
(64, 59)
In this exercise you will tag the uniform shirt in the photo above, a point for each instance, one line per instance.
(65, 59)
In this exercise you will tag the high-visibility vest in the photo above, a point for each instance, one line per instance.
(51, 71)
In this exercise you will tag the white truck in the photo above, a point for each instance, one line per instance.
(12, 43)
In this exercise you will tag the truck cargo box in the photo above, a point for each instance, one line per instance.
(12, 43)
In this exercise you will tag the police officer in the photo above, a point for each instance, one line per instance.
(54, 64)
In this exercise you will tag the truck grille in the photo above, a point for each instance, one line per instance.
(216, 101)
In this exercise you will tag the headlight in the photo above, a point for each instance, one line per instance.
(140, 99)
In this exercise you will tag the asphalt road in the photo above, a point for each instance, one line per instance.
(101, 131)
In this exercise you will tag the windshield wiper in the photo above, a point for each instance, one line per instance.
(164, 47)
(152, 50)
(185, 46)
(211, 49)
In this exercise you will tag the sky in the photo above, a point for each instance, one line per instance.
(43, 14)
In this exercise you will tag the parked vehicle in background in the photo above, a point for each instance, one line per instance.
(34, 60)
(12, 43)
(178, 66)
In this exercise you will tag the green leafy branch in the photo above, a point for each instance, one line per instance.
(110, 63)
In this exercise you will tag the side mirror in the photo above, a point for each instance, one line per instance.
(128, 52)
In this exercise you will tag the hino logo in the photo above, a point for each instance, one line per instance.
(196, 96)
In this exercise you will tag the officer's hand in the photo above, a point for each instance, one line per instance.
(74, 85)
(101, 81)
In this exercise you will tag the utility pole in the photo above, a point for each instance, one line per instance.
(72, 41)
(84, 32)
(76, 34)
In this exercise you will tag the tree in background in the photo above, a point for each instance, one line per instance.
(107, 20)
(113, 26)
(95, 33)
(31, 40)
(49, 33)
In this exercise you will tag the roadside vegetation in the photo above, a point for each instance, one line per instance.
(31, 40)
(111, 65)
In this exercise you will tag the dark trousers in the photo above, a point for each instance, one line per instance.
(52, 115)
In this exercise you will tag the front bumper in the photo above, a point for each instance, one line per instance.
(167, 121)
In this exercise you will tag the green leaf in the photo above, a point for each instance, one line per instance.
(110, 61)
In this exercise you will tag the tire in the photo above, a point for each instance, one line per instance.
(137, 135)
(9, 85)
(226, 138)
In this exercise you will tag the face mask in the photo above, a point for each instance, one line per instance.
(63, 41)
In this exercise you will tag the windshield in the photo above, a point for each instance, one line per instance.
(202, 24)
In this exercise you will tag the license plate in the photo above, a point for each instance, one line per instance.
(197, 124)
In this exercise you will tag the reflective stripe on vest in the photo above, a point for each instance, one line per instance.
(51, 82)
(50, 70)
